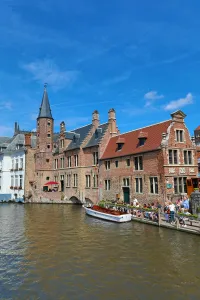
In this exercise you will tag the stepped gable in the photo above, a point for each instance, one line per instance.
(97, 135)
(131, 144)
(77, 136)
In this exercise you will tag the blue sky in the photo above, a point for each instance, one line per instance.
(140, 57)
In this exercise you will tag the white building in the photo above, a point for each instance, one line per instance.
(12, 165)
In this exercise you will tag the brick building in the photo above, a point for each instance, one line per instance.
(151, 163)
(70, 158)
(197, 142)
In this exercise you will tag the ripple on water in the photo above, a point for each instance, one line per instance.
(56, 252)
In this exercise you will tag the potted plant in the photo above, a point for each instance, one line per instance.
(198, 212)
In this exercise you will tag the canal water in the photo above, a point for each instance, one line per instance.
(56, 252)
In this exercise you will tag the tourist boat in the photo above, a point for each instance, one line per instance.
(108, 214)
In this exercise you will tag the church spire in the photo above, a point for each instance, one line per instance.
(45, 110)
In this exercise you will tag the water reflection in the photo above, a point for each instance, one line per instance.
(56, 252)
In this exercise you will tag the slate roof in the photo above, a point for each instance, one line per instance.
(131, 145)
(18, 139)
(77, 136)
(97, 136)
(45, 110)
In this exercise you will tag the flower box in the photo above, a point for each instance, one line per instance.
(11, 187)
(19, 187)
(20, 169)
(15, 187)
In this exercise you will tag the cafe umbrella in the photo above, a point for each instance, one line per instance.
(51, 183)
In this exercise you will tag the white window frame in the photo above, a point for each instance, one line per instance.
(137, 164)
(126, 181)
(68, 180)
(139, 185)
(178, 135)
(69, 161)
(181, 186)
(173, 151)
(95, 181)
(76, 160)
(95, 158)
(187, 162)
(155, 182)
(107, 183)
(75, 183)
(107, 164)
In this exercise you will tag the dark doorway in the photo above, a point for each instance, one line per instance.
(126, 192)
(62, 185)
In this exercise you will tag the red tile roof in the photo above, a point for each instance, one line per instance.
(198, 128)
(131, 145)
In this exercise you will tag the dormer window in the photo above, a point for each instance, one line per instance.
(74, 139)
(142, 138)
(120, 143)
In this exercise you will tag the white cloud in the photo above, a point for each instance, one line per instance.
(47, 71)
(6, 105)
(117, 79)
(151, 96)
(176, 104)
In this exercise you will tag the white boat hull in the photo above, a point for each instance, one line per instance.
(97, 214)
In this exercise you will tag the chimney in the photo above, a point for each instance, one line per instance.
(27, 140)
(15, 128)
(95, 118)
(112, 122)
(62, 127)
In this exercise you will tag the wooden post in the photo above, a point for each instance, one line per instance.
(159, 217)
(177, 223)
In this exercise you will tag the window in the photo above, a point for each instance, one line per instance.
(138, 163)
(56, 178)
(75, 180)
(95, 158)
(49, 123)
(107, 185)
(138, 185)
(56, 163)
(76, 160)
(69, 162)
(119, 146)
(48, 146)
(180, 185)
(12, 180)
(16, 180)
(173, 157)
(21, 163)
(0, 182)
(21, 181)
(62, 143)
(142, 141)
(116, 163)
(47, 160)
(187, 157)
(16, 164)
(107, 164)
(13, 164)
(48, 135)
(95, 181)
(153, 185)
(88, 183)
(47, 178)
(179, 136)
(68, 180)
(128, 162)
(126, 181)
(62, 162)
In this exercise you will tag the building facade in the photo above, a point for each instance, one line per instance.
(70, 158)
(150, 164)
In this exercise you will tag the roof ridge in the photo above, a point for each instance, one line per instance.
(78, 128)
(143, 127)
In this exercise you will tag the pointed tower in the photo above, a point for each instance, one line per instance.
(45, 125)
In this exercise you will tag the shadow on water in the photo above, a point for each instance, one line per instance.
(56, 252)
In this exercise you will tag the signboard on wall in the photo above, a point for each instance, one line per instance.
(169, 185)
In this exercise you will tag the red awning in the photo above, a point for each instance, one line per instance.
(51, 183)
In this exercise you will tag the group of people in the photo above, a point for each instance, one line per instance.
(181, 206)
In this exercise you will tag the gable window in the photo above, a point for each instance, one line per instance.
(138, 163)
(142, 141)
(69, 162)
(107, 184)
(88, 181)
(76, 160)
(126, 182)
(138, 185)
(62, 143)
(116, 163)
(128, 162)
(173, 157)
(95, 158)
(187, 157)
(180, 185)
(95, 181)
(107, 164)
(179, 136)
(153, 185)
